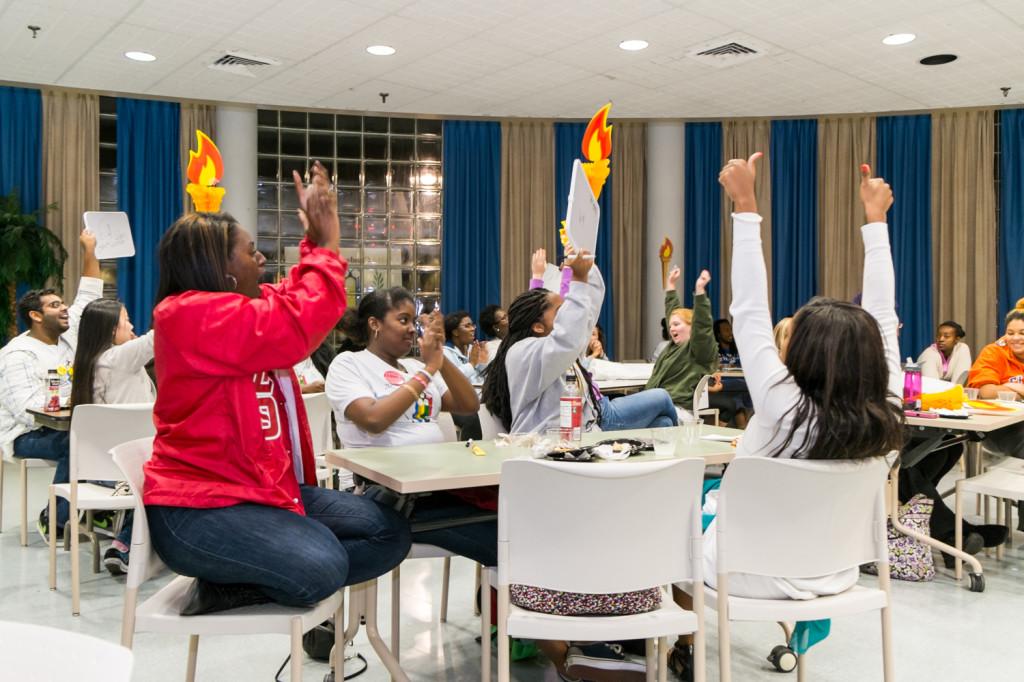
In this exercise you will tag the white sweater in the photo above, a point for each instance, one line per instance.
(775, 393)
(959, 362)
(120, 375)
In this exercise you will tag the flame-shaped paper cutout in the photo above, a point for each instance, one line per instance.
(665, 254)
(596, 148)
(205, 170)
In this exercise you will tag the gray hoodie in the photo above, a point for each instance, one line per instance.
(536, 366)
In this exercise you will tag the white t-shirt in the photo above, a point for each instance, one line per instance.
(355, 375)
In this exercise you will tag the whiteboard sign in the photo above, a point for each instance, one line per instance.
(113, 234)
(584, 214)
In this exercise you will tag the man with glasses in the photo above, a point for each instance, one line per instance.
(49, 344)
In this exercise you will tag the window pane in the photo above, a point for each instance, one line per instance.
(408, 278)
(375, 202)
(266, 117)
(348, 201)
(376, 227)
(403, 149)
(349, 227)
(376, 174)
(350, 147)
(266, 224)
(268, 247)
(401, 228)
(288, 165)
(108, 129)
(351, 252)
(428, 228)
(266, 140)
(108, 189)
(374, 252)
(428, 127)
(401, 175)
(401, 202)
(404, 126)
(293, 143)
(350, 123)
(266, 168)
(428, 254)
(293, 119)
(289, 254)
(108, 105)
(266, 196)
(348, 173)
(375, 147)
(429, 281)
(428, 177)
(428, 202)
(289, 200)
(108, 159)
(321, 121)
(375, 124)
(428, 149)
(405, 256)
(321, 146)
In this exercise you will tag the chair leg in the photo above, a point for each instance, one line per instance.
(651, 649)
(1008, 515)
(76, 575)
(190, 665)
(396, 610)
(3, 467)
(958, 531)
(53, 541)
(504, 671)
(23, 467)
(801, 668)
(338, 655)
(444, 588)
(131, 597)
(297, 653)
(724, 667)
(663, 659)
(1001, 521)
(485, 629)
(888, 670)
(476, 589)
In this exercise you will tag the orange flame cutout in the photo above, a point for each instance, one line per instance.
(597, 140)
(665, 253)
(205, 170)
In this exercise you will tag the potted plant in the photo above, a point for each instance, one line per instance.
(29, 254)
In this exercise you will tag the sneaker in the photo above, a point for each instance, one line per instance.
(116, 561)
(43, 526)
(600, 662)
(103, 523)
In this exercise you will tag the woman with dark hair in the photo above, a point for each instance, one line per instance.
(949, 358)
(381, 398)
(596, 346)
(461, 347)
(494, 325)
(231, 490)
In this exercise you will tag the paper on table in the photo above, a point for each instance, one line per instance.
(113, 233)
(718, 438)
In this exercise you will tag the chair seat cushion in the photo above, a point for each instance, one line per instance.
(162, 613)
(582, 604)
(92, 496)
(1006, 481)
(668, 619)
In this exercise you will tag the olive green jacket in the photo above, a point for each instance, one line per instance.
(680, 366)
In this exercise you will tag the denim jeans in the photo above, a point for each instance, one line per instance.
(54, 446)
(295, 560)
(476, 541)
(647, 409)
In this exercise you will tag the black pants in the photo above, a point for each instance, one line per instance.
(923, 478)
(725, 403)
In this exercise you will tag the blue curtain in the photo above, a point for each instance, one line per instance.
(905, 161)
(1011, 209)
(568, 138)
(702, 208)
(21, 153)
(793, 157)
(471, 278)
(149, 187)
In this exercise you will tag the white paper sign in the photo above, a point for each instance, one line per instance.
(584, 214)
(552, 278)
(113, 233)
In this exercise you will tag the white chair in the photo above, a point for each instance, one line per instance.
(318, 414)
(1005, 482)
(94, 430)
(447, 425)
(812, 518)
(161, 612)
(23, 463)
(490, 426)
(701, 400)
(45, 654)
(650, 536)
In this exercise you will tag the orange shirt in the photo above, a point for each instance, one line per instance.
(996, 364)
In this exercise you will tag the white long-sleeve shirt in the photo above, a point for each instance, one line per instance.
(120, 375)
(775, 393)
(958, 365)
(24, 362)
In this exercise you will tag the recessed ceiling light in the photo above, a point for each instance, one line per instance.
(380, 50)
(633, 45)
(938, 59)
(899, 38)
(140, 56)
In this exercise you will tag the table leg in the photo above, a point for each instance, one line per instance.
(383, 653)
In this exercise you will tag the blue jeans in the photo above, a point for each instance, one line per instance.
(52, 445)
(295, 560)
(647, 409)
(476, 541)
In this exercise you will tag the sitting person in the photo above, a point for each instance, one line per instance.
(494, 325)
(855, 394)
(732, 386)
(49, 344)
(462, 349)
(230, 491)
(595, 349)
(693, 352)
(310, 378)
(381, 398)
(949, 358)
(110, 368)
(728, 353)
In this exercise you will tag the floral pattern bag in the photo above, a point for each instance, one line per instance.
(910, 559)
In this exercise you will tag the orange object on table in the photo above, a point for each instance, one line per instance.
(951, 399)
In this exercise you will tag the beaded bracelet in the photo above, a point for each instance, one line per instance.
(412, 391)
(419, 379)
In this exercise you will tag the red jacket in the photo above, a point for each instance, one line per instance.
(214, 415)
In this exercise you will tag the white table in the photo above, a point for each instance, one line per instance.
(447, 466)
(44, 654)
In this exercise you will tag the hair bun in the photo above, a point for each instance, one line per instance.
(1020, 304)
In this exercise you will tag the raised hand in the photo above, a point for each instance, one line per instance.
(318, 208)
(700, 287)
(88, 241)
(538, 263)
(580, 264)
(596, 349)
(875, 194)
(432, 342)
(715, 385)
(673, 276)
(737, 178)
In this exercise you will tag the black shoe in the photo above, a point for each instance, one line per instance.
(991, 534)
(116, 561)
(206, 597)
(680, 662)
(972, 544)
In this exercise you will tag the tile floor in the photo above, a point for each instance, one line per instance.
(942, 631)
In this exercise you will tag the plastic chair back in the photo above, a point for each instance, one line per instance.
(447, 424)
(599, 528)
(318, 413)
(490, 426)
(701, 401)
(97, 428)
(130, 458)
(801, 518)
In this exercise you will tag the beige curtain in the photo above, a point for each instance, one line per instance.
(629, 193)
(527, 200)
(740, 139)
(71, 129)
(844, 143)
(964, 222)
(193, 117)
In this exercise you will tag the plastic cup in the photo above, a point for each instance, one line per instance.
(972, 393)
(664, 441)
(691, 432)
(1007, 396)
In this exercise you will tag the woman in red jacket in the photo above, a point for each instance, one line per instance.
(230, 491)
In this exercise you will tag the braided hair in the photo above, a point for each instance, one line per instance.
(526, 309)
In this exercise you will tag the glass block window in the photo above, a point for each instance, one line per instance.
(108, 183)
(388, 174)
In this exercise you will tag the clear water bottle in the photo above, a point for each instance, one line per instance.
(570, 410)
(911, 385)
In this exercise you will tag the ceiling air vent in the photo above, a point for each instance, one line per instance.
(242, 64)
(733, 49)
(727, 51)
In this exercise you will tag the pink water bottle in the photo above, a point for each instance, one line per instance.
(570, 410)
(911, 385)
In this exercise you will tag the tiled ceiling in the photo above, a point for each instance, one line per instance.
(540, 58)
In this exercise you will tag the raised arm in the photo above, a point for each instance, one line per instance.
(771, 392)
(132, 355)
(879, 287)
(703, 346)
(90, 286)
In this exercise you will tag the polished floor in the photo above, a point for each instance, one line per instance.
(942, 631)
